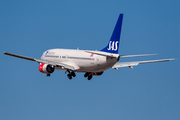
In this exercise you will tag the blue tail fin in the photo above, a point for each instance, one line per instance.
(113, 45)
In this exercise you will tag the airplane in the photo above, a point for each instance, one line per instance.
(92, 63)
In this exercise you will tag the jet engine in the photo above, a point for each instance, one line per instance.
(98, 73)
(46, 68)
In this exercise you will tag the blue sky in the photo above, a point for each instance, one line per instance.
(149, 91)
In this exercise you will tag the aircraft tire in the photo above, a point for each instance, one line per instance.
(48, 75)
(69, 76)
(73, 74)
(89, 77)
(86, 74)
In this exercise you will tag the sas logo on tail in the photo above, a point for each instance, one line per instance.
(113, 45)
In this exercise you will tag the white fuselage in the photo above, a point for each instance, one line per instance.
(80, 59)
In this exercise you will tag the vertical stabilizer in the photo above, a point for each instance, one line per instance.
(113, 45)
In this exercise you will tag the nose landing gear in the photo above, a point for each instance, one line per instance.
(48, 75)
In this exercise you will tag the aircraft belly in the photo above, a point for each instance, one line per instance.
(94, 68)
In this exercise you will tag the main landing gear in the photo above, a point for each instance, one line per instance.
(89, 75)
(71, 74)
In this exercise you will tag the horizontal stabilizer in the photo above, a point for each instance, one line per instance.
(127, 56)
(130, 64)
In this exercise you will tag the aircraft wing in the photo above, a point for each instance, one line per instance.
(56, 64)
(130, 64)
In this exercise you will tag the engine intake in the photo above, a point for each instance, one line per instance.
(46, 68)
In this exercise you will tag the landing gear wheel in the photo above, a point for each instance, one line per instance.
(69, 76)
(73, 74)
(89, 77)
(48, 75)
(86, 74)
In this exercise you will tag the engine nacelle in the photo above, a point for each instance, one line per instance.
(98, 73)
(45, 68)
